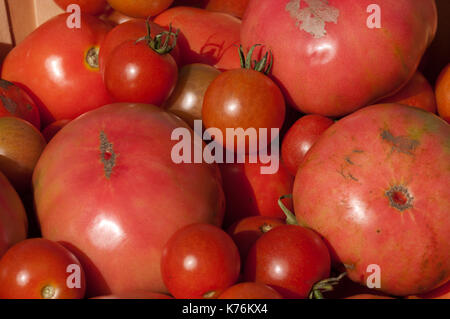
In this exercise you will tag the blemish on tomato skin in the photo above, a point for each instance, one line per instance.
(107, 154)
(402, 144)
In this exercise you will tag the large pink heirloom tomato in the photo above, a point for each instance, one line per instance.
(376, 187)
(328, 60)
(107, 188)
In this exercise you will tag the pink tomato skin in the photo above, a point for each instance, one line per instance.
(107, 187)
(205, 37)
(375, 186)
(345, 65)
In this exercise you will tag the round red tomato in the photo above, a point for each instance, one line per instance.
(58, 67)
(246, 99)
(375, 186)
(199, 261)
(13, 219)
(234, 7)
(290, 259)
(87, 6)
(205, 37)
(140, 8)
(326, 52)
(129, 30)
(16, 102)
(300, 138)
(417, 92)
(141, 72)
(248, 192)
(250, 290)
(118, 196)
(246, 231)
(40, 269)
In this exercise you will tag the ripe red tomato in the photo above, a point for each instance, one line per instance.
(250, 290)
(250, 193)
(290, 259)
(246, 231)
(58, 67)
(199, 261)
(443, 93)
(40, 269)
(21, 145)
(244, 98)
(118, 196)
(130, 30)
(375, 180)
(53, 128)
(205, 37)
(87, 6)
(141, 72)
(299, 139)
(140, 8)
(16, 102)
(442, 292)
(13, 219)
(417, 92)
(325, 50)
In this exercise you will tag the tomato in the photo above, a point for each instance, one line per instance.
(325, 50)
(136, 294)
(205, 37)
(13, 219)
(442, 292)
(250, 290)
(186, 101)
(300, 138)
(21, 144)
(116, 17)
(140, 8)
(141, 72)
(199, 261)
(368, 296)
(234, 7)
(87, 6)
(375, 186)
(244, 98)
(443, 93)
(129, 30)
(58, 67)
(40, 269)
(107, 186)
(248, 192)
(290, 259)
(246, 231)
(417, 92)
(53, 128)
(16, 102)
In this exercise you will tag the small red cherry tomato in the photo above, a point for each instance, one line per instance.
(250, 290)
(290, 259)
(199, 261)
(300, 137)
(142, 71)
(40, 269)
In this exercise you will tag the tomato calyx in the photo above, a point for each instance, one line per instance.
(162, 43)
(264, 65)
(290, 217)
(324, 286)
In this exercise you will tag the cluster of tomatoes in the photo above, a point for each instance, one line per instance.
(92, 204)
